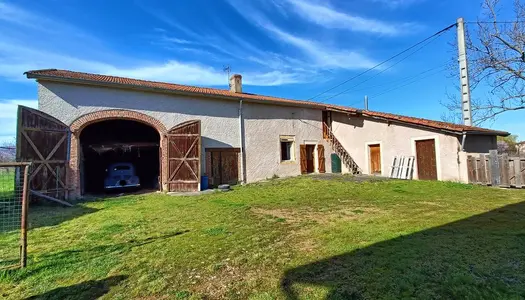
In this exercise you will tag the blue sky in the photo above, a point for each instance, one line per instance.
(288, 48)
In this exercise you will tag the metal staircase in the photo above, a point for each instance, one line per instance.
(338, 148)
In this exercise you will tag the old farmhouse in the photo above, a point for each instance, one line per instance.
(175, 134)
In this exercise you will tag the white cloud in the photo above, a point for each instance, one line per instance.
(8, 116)
(398, 3)
(319, 56)
(196, 74)
(322, 56)
(332, 18)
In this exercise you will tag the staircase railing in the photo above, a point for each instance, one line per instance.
(338, 148)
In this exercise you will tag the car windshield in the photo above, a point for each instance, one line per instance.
(119, 168)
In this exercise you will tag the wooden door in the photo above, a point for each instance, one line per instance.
(375, 159)
(321, 159)
(184, 157)
(426, 159)
(229, 167)
(310, 158)
(303, 160)
(43, 140)
(224, 167)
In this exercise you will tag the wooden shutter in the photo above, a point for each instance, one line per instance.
(43, 140)
(303, 159)
(184, 156)
(321, 160)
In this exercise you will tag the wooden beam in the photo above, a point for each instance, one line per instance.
(46, 197)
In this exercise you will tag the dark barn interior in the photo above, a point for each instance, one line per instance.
(118, 141)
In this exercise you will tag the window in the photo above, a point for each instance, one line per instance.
(287, 148)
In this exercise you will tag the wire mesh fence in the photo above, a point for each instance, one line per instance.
(13, 214)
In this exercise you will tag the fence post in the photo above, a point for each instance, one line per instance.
(494, 168)
(23, 231)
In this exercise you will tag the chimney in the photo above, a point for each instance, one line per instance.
(236, 83)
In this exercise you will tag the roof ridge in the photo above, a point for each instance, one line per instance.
(127, 78)
(167, 86)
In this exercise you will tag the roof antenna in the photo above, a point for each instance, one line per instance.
(227, 69)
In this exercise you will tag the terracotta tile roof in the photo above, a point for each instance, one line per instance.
(97, 79)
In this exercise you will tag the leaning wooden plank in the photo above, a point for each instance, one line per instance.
(504, 165)
(400, 167)
(407, 168)
(495, 178)
(522, 173)
(404, 169)
(482, 174)
(471, 165)
(38, 194)
(393, 170)
(396, 167)
(412, 168)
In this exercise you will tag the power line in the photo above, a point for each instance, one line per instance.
(382, 71)
(402, 80)
(440, 68)
(384, 62)
(401, 86)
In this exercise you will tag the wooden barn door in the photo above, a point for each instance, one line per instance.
(426, 159)
(184, 157)
(44, 141)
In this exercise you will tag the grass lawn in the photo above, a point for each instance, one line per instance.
(302, 238)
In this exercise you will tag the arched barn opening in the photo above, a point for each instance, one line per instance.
(119, 155)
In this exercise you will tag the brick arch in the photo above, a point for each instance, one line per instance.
(113, 114)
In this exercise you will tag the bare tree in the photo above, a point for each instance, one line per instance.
(496, 60)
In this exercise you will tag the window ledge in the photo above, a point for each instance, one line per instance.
(288, 162)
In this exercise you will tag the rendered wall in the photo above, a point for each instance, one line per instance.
(356, 133)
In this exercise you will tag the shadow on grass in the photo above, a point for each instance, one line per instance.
(47, 215)
(481, 257)
(91, 289)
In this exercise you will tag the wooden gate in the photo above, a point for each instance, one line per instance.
(44, 141)
(426, 159)
(184, 157)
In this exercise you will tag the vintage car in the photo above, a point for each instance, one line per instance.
(121, 175)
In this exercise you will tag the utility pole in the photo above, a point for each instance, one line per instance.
(366, 102)
(466, 106)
